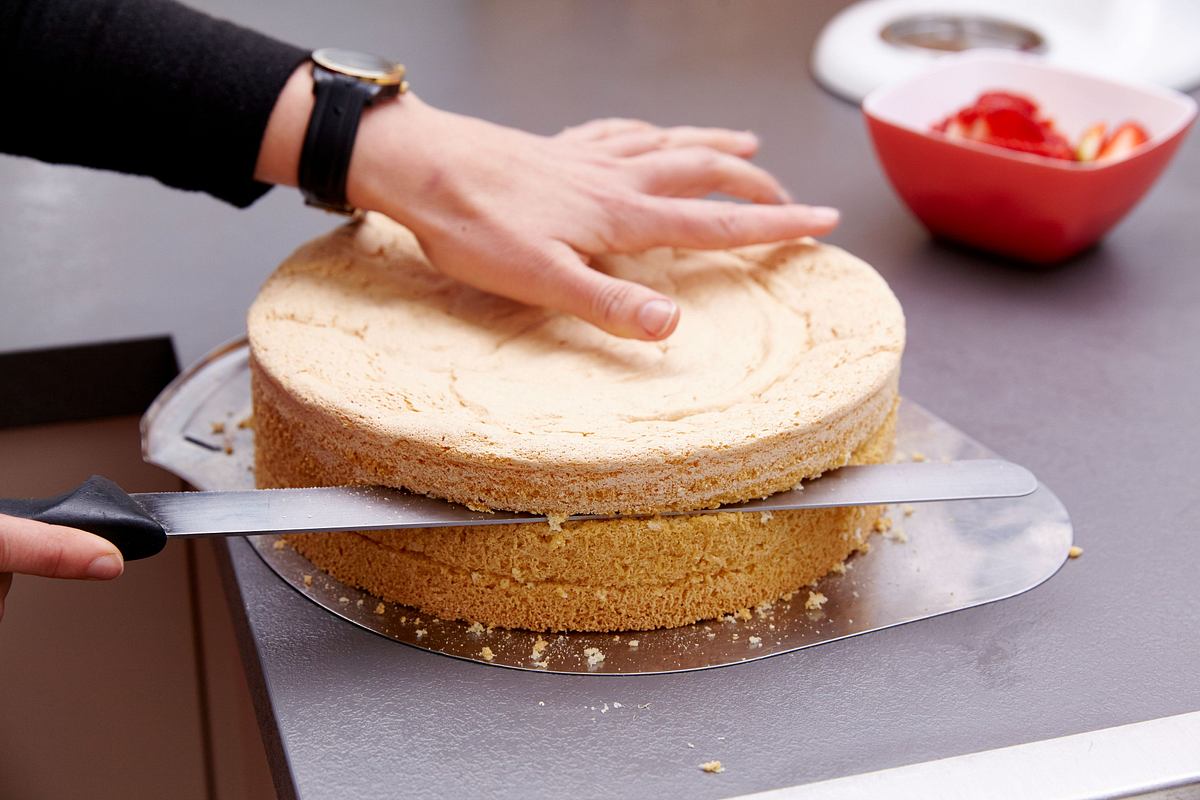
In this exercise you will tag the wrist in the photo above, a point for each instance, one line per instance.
(388, 161)
(283, 139)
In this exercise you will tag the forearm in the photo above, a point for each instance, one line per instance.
(142, 86)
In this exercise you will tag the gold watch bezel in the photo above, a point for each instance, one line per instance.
(388, 73)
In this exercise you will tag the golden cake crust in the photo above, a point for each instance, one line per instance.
(377, 369)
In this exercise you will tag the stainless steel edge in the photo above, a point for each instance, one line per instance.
(1122, 761)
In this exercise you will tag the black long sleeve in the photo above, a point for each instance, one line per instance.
(143, 86)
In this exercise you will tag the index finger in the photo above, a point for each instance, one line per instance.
(55, 551)
(717, 224)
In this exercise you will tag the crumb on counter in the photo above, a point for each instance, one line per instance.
(421, 632)
(633, 643)
(379, 608)
(594, 656)
(815, 601)
(228, 449)
(279, 544)
(839, 568)
(218, 427)
(755, 641)
(247, 423)
(476, 628)
(712, 766)
(1075, 552)
(308, 580)
(907, 509)
(486, 654)
(896, 535)
(344, 600)
(883, 524)
(919, 456)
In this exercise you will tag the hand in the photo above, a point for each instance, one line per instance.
(520, 215)
(53, 551)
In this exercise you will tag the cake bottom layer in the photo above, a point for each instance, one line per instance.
(601, 575)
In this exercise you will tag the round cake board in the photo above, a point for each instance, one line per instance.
(935, 558)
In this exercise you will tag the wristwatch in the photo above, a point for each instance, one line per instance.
(344, 83)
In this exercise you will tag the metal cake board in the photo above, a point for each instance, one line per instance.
(936, 558)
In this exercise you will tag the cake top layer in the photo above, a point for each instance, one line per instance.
(779, 340)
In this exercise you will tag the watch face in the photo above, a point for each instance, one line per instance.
(360, 65)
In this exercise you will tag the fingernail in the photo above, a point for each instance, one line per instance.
(656, 316)
(106, 567)
(748, 138)
(823, 215)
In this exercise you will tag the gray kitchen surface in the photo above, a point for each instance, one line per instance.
(1088, 374)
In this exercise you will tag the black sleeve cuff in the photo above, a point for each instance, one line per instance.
(143, 86)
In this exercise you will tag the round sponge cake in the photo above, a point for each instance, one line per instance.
(371, 367)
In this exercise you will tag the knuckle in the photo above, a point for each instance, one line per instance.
(730, 224)
(609, 301)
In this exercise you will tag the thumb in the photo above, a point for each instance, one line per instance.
(621, 307)
(55, 551)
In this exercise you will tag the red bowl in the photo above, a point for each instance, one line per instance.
(1020, 205)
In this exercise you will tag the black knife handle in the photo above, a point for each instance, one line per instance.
(101, 507)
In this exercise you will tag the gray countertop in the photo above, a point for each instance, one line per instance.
(1088, 374)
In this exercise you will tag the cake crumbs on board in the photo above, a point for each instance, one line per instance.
(308, 581)
(218, 427)
(1075, 552)
(379, 608)
(486, 654)
(476, 628)
(594, 656)
(712, 767)
(278, 544)
(421, 632)
(815, 601)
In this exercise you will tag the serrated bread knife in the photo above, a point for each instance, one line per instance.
(140, 524)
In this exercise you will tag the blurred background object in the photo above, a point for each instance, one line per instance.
(876, 41)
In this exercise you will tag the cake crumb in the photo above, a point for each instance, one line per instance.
(633, 643)
(476, 628)
(815, 601)
(1075, 552)
(643, 706)
(755, 641)
(279, 544)
(919, 456)
(380, 608)
(541, 702)
(743, 614)
(343, 600)
(594, 656)
(907, 509)
(735, 637)
(896, 535)
(228, 449)
(308, 580)
(712, 766)
(555, 521)
(218, 427)
(839, 568)
(710, 635)
(247, 423)
(764, 517)
(787, 598)
(617, 705)
(421, 632)
(539, 647)
(359, 602)
(487, 654)
(883, 524)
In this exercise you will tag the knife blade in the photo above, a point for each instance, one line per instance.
(99, 505)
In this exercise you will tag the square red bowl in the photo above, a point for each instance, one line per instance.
(1025, 206)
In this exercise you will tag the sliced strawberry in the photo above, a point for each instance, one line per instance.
(1091, 142)
(989, 101)
(1128, 137)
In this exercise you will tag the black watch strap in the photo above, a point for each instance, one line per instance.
(338, 104)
